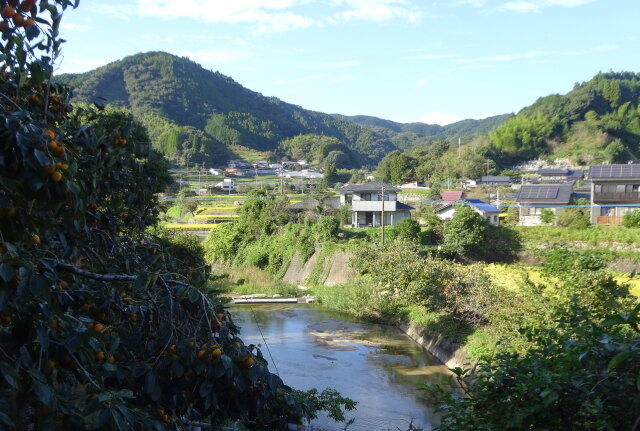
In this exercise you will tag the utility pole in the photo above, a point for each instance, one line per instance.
(382, 218)
(281, 177)
(458, 147)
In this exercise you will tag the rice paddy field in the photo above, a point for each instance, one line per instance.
(513, 276)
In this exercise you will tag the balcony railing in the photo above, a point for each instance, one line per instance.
(373, 205)
(609, 220)
(616, 197)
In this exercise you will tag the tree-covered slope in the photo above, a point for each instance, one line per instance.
(178, 92)
(454, 130)
(597, 121)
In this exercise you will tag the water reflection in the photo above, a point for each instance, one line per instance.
(377, 365)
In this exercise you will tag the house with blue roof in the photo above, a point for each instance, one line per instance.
(446, 210)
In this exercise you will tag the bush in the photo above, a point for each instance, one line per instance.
(631, 219)
(466, 233)
(579, 375)
(575, 218)
(547, 215)
(326, 229)
(408, 230)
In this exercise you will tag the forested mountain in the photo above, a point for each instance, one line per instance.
(597, 121)
(434, 131)
(196, 115)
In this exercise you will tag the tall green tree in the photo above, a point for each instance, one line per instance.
(466, 233)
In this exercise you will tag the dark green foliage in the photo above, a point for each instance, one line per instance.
(466, 233)
(318, 149)
(408, 132)
(408, 230)
(394, 168)
(579, 375)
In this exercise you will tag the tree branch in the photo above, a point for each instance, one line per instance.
(94, 275)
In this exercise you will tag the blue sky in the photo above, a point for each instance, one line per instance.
(405, 60)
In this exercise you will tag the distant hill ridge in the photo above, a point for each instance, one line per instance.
(196, 115)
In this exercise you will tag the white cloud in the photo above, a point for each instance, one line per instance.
(434, 56)
(275, 15)
(285, 22)
(437, 117)
(344, 78)
(80, 28)
(375, 10)
(528, 6)
(116, 12)
(568, 3)
(604, 48)
(521, 7)
(504, 58)
(337, 64)
(269, 15)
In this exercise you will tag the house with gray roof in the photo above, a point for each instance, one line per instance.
(374, 203)
(533, 198)
(558, 175)
(496, 180)
(615, 190)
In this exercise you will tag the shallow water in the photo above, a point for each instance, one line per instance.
(376, 365)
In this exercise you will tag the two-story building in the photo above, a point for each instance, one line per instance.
(532, 199)
(370, 202)
(615, 190)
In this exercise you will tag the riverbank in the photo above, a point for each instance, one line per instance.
(426, 329)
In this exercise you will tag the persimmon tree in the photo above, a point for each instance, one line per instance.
(106, 324)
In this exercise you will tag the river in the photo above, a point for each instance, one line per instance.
(376, 365)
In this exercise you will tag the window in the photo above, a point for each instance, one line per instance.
(365, 196)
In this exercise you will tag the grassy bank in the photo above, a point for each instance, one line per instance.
(251, 280)
(593, 235)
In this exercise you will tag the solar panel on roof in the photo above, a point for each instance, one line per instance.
(539, 192)
(615, 171)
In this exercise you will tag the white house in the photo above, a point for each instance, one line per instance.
(227, 185)
(370, 202)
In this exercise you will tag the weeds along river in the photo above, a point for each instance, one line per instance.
(376, 365)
